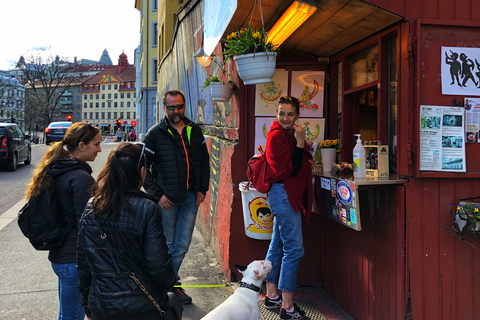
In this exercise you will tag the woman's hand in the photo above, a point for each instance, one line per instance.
(299, 134)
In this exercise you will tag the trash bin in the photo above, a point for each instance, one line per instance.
(257, 217)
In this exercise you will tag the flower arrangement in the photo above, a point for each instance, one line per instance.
(328, 143)
(211, 79)
(247, 40)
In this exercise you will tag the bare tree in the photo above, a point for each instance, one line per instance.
(46, 83)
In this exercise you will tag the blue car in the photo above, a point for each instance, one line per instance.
(56, 131)
(14, 146)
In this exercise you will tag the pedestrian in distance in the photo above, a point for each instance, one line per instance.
(121, 235)
(178, 175)
(119, 135)
(132, 136)
(65, 165)
(290, 172)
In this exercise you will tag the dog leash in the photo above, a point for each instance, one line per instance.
(205, 285)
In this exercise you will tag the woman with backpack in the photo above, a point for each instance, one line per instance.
(123, 261)
(290, 172)
(65, 166)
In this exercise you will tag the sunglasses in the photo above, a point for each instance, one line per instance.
(173, 107)
(142, 145)
(83, 133)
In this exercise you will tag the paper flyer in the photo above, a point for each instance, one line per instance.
(442, 139)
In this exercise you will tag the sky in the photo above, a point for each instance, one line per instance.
(71, 28)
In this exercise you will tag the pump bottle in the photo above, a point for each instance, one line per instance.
(359, 168)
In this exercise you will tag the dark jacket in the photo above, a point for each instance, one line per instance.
(166, 174)
(141, 247)
(73, 181)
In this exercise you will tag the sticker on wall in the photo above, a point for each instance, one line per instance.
(262, 126)
(261, 216)
(353, 216)
(460, 67)
(344, 192)
(268, 94)
(308, 87)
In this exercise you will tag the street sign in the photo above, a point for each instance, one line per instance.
(133, 123)
(125, 122)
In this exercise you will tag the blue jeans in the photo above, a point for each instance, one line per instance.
(178, 224)
(286, 246)
(68, 294)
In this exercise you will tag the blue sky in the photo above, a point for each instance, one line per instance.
(71, 27)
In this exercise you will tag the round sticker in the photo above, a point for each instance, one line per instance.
(344, 193)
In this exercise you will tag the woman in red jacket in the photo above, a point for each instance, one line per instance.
(290, 171)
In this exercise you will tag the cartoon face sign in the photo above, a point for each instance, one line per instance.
(260, 212)
(264, 215)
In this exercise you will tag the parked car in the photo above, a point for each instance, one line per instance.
(56, 131)
(14, 146)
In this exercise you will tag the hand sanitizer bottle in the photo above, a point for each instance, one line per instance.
(359, 168)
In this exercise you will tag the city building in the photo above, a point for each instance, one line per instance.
(12, 101)
(157, 26)
(110, 96)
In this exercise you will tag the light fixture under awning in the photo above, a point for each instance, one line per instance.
(292, 18)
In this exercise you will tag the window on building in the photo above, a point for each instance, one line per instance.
(91, 96)
(154, 5)
(96, 115)
(115, 86)
(78, 90)
(103, 104)
(128, 115)
(115, 96)
(128, 95)
(109, 115)
(97, 96)
(85, 115)
(121, 115)
(155, 33)
(121, 104)
(154, 70)
(91, 104)
(103, 87)
(109, 104)
(129, 85)
(109, 96)
(134, 95)
(78, 98)
(85, 97)
(109, 86)
(103, 115)
(122, 95)
(91, 115)
(128, 104)
(103, 95)
(85, 105)
(97, 104)
(134, 115)
(115, 104)
(114, 115)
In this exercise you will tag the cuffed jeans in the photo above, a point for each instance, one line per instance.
(178, 224)
(68, 294)
(286, 246)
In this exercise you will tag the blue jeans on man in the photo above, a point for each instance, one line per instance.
(286, 246)
(178, 224)
(68, 294)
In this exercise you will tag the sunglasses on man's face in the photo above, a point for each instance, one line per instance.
(173, 107)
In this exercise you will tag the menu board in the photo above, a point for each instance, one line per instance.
(442, 139)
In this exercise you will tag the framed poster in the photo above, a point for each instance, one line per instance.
(460, 71)
(262, 126)
(267, 94)
(308, 87)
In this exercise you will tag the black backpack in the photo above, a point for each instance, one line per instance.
(41, 222)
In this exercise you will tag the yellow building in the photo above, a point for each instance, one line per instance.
(157, 25)
(109, 96)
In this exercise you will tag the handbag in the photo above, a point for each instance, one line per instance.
(256, 171)
(173, 309)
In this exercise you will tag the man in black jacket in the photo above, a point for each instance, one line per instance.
(178, 174)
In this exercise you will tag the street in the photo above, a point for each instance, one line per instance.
(28, 287)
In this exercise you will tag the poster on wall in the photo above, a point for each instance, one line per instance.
(442, 145)
(262, 126)
(308, 87)
(268, 94)
(472, 110)
(460, 71)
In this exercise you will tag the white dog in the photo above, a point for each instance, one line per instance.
(243, 304)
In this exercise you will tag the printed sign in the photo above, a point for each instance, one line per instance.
(344, 192)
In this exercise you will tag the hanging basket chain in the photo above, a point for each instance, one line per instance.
(259, 9)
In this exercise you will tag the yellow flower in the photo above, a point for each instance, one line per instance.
(241, 31)
(232, 35)
(257, 35)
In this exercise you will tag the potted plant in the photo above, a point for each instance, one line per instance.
(219, 89)
(254, 55)
(328, 150)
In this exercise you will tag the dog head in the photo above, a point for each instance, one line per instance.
(257, 270)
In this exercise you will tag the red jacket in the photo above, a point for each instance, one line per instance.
(280, 147)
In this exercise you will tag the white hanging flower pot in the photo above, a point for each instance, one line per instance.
(257, 67)
(221, 91)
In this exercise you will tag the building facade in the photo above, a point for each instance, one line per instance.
(12, 101)
(110, 96)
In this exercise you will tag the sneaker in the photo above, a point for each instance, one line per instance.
(182, 296)
(272, 304)
(296, 314)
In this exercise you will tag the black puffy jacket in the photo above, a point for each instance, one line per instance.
(165, 175)
(141, 245)
(73, 180)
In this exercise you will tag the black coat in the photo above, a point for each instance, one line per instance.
(141, 245)
(73, 180)
(165, 170)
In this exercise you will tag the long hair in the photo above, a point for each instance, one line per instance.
(122, 172)
(78, 132)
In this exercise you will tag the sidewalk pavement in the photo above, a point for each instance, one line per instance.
(201, 267)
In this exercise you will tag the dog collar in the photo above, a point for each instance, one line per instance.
(248, 286)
